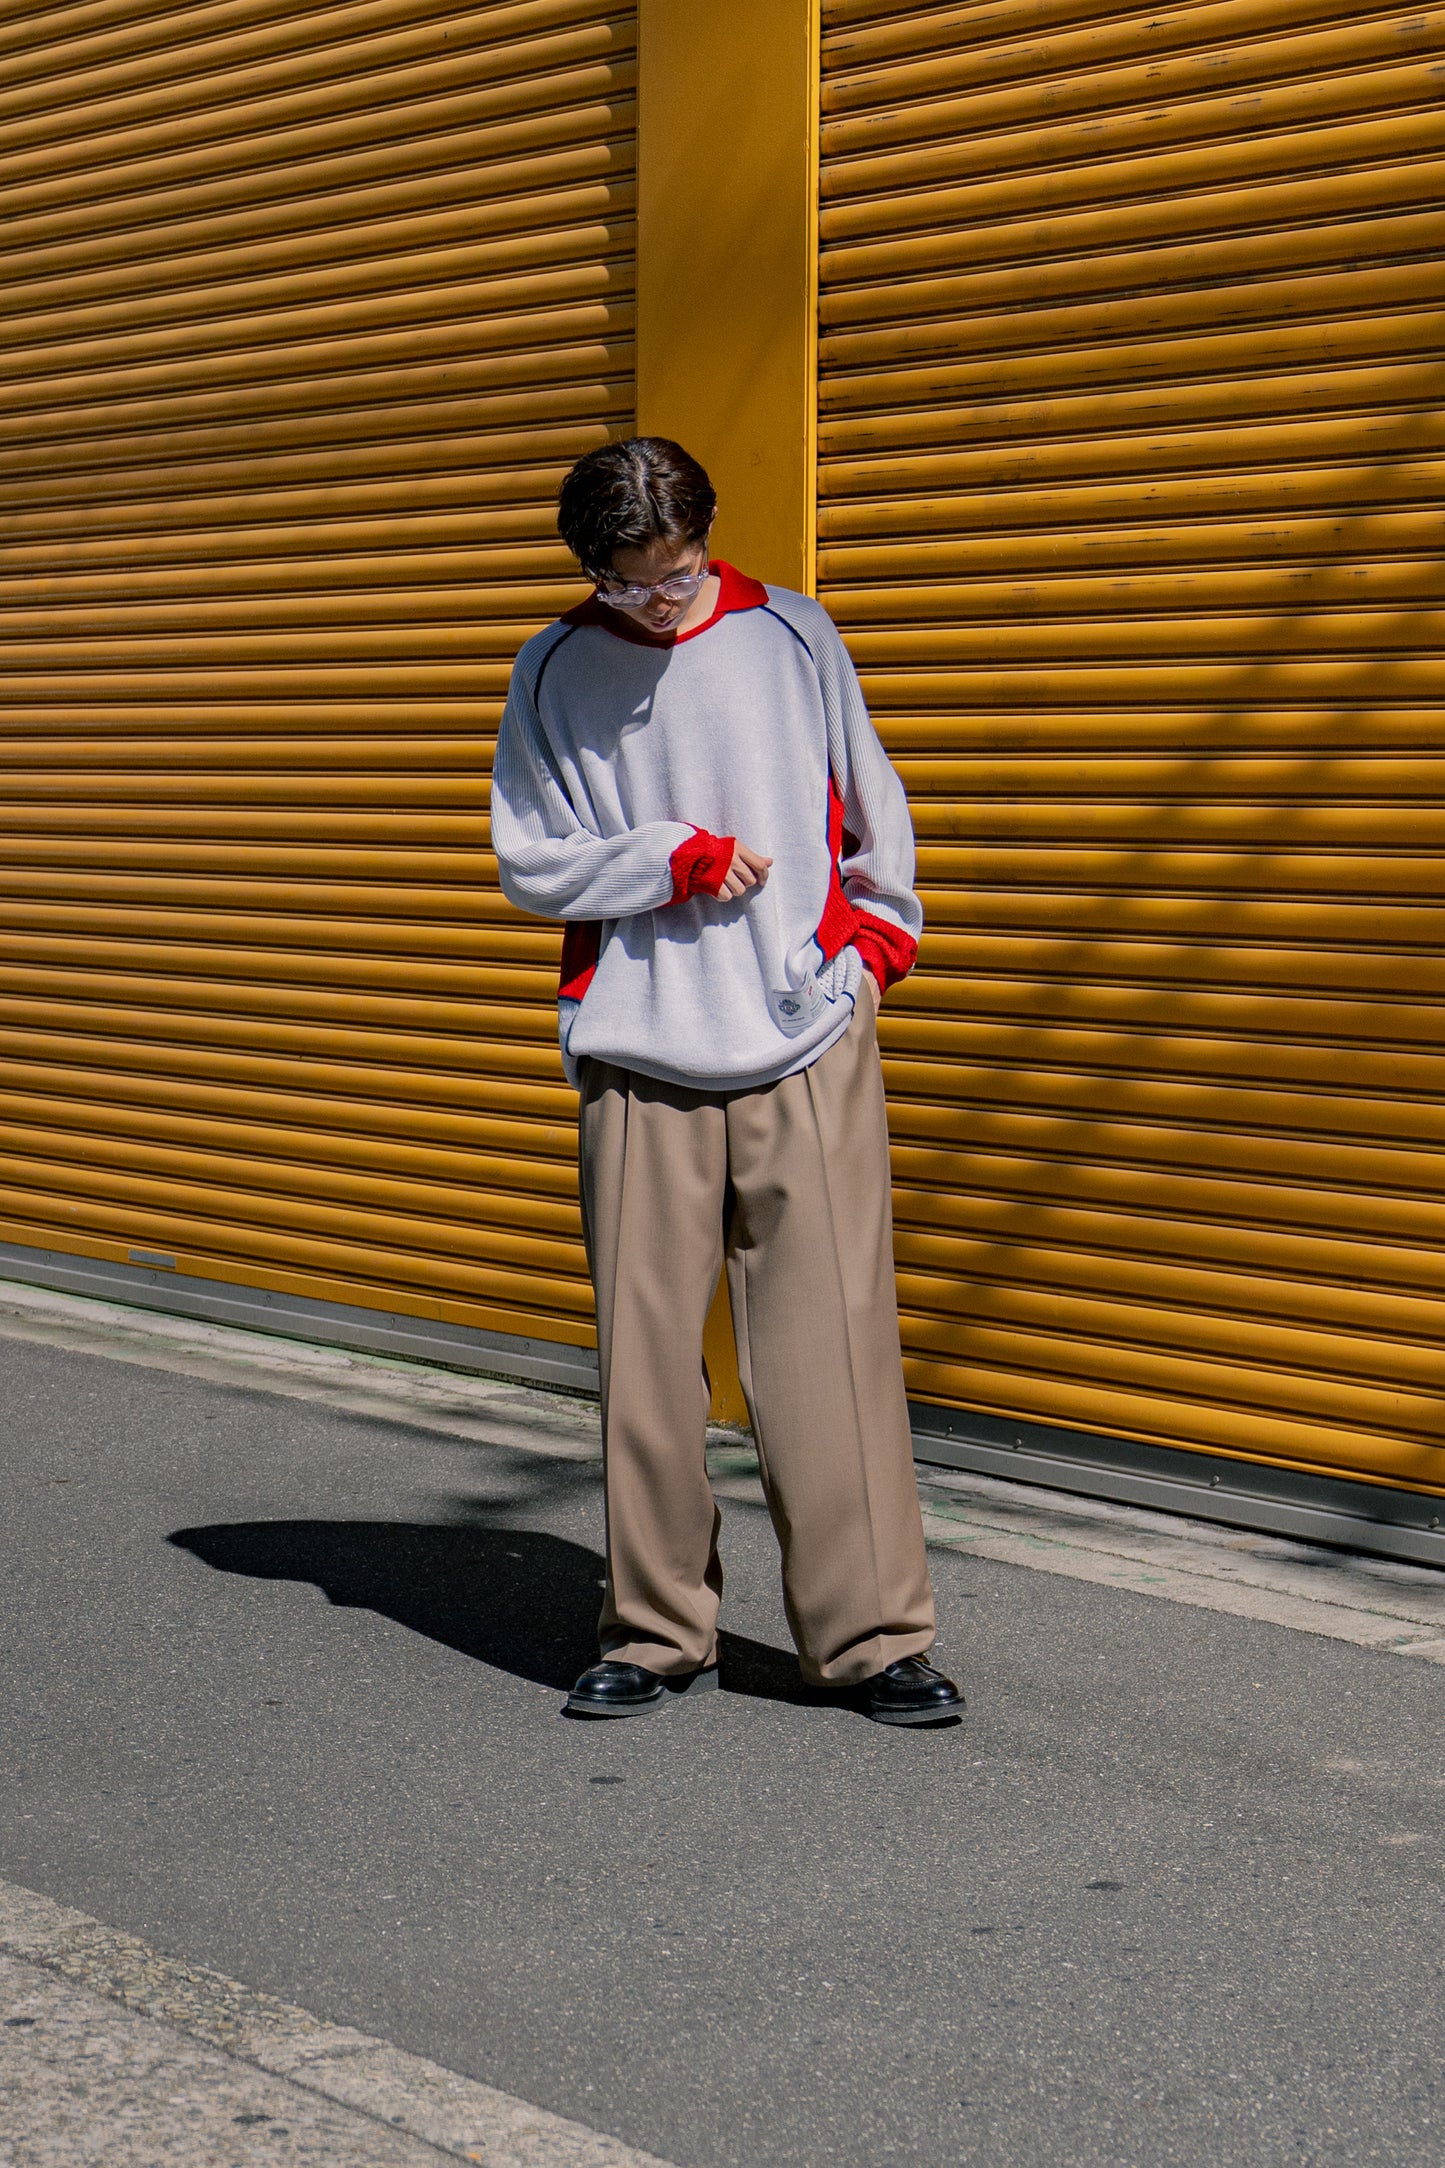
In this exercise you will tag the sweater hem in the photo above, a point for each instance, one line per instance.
(726, 1087)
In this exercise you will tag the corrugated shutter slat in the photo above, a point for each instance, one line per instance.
(304, 312)
(1130, 476)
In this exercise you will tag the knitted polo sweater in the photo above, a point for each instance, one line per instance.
(626, 766)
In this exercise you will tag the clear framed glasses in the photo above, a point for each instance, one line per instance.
(680, 587)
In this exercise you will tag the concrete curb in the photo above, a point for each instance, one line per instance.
(408, 2096)
(458, 1404)
(1398, 1610)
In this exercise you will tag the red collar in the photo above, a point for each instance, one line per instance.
(735, 592)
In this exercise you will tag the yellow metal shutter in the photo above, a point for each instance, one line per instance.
(305, 310)
(1131, 469)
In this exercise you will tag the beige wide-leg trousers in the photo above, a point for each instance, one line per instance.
(791, 1184)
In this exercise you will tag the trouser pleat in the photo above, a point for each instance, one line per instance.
(652, 1179)
(793, 1180)
(810, 1267)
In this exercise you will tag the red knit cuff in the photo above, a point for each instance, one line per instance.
(700, 866)
(887, 951)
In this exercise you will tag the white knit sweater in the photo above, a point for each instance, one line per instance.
(621, 764)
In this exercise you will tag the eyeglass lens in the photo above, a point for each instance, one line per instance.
(676, 589)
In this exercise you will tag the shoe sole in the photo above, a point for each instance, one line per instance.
(916, 1719)
(697, 1682)
(572, 1707)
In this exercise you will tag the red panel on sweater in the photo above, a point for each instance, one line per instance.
(887, 951)
(839, 922)
(581, 947)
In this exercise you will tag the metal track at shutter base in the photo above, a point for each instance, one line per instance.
(1384, 1522)
(298, 1317)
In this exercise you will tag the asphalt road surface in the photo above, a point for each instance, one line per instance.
(282, 1694)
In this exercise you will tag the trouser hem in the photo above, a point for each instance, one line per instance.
(864, 1663)
(665, 1662)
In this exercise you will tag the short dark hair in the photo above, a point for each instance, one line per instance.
(625, 495)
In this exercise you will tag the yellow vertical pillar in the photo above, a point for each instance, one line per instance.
(727, 301)
(727, 263)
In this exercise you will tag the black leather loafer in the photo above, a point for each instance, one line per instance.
(910, 1692)
(613, 1689)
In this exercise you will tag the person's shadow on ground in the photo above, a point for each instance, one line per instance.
(521, 1601)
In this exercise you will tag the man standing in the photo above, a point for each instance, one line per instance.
(686, 775)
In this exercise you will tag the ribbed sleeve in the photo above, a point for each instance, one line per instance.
(549, 861)
(877, 862)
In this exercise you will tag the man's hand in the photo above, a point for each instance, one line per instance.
(749, 869)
